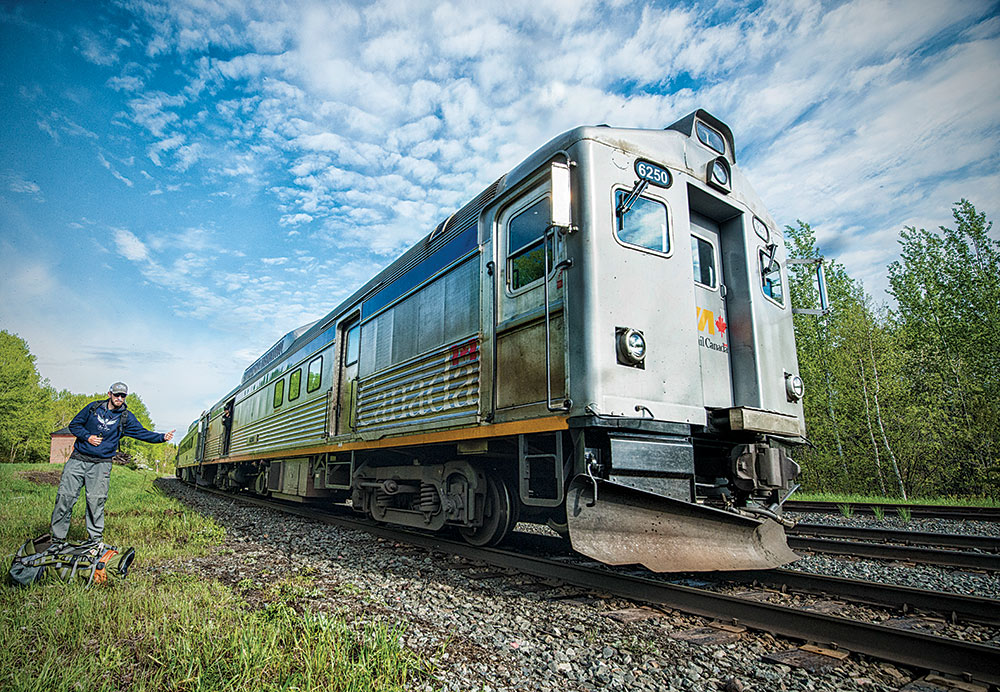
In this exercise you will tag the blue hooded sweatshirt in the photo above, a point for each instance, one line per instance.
(97, 418)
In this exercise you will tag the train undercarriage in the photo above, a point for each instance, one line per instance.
(624, 490)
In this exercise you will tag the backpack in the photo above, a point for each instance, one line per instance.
(68, 560)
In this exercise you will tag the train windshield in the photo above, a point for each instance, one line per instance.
(644, 224)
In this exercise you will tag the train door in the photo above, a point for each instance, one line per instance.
(530, 351)
(199, 454)
(350, 336)
(710, 313)
(227, 425)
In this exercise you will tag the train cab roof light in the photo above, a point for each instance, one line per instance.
(704, 126)
(710, 138)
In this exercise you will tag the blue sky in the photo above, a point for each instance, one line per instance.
(183, 182)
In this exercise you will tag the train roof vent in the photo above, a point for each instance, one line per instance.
(272, 354)
(458, 222)
(688, 122)
(467, 215)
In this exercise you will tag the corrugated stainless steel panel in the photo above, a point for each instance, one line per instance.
(292, 426)
(430, 390)
(438, 312)
(213, 441)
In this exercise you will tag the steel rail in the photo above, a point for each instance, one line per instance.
(889, 509)
(895, 596)
(881, 551)
(905, 598)
(910, 648)
(948, 540)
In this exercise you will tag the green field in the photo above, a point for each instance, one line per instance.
(170, 630)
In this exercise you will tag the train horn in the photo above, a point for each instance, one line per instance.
(629, 526)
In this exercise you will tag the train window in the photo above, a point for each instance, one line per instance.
(710, 138)
(353, 345)
(315, 377)
(644, 225)
(294, 385)
(524, 244)
(279, 393)
(703, 258)
(770, 278)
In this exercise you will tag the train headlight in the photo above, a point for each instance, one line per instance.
(720, 174)
(794, 388)
(631, 346)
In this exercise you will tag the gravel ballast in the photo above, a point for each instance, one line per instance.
(484, 629)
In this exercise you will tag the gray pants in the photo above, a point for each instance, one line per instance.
(95, 476)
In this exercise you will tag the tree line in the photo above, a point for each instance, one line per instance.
(903, 400)
(30, 409)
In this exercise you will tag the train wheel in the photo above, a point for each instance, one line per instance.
(499, 515)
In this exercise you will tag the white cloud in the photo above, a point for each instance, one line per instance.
(295, 219)
(150, 110)
(17, 183)
(114, 171)
(96, 48)
(129, 246)
(164, 145)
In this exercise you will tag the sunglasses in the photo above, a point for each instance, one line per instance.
(121, 396)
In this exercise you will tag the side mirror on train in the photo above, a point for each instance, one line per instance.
(561, 214)
(824, 303)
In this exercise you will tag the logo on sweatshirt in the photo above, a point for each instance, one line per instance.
(106, 421)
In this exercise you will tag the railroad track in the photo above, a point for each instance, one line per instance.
(905, 599)
(915, 649)
(890, 509)
(907, 546)
(920, 538)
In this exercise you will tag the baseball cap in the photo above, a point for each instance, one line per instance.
(119, 388)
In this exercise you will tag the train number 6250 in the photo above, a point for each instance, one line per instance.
(653, 174)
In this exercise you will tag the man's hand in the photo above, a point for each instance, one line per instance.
(95, 440)
(169, 436)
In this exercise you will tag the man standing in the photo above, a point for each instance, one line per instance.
(99, 428)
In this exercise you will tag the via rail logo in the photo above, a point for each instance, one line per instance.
(709, 322)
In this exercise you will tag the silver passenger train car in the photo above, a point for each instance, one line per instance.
(600, 341)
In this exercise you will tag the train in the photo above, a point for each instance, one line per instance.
(600, 341)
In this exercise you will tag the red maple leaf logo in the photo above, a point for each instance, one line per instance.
(720, 324)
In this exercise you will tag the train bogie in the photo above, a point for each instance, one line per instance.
(610, 315)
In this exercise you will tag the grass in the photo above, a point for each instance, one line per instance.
(844, 498)
(172, 630)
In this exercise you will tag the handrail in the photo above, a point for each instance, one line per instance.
(566, 263)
